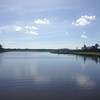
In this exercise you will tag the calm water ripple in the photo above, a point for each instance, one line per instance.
(46, 76)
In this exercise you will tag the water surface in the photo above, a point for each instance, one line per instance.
(46, 76)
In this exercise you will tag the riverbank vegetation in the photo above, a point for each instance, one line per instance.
(1, 48)
(93, 50)
(26, 49)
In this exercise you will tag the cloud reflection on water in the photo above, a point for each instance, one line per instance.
(31, 72)
(84, 81)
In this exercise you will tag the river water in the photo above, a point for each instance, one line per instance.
(47, 76)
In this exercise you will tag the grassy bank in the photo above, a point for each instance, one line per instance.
(78, 52)
(87, 53)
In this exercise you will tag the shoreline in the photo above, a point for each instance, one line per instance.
(57, 51)
(82, 53)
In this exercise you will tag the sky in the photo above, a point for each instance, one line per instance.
(49, 23)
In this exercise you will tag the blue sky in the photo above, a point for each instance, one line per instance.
(49, 23)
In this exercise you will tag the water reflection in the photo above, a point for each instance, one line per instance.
(84, 81)
(31, 72)
(1, 54)
(39, 75)
(86, 58)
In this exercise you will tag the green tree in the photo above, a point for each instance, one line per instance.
(1, 48)
(96, 46)
(84, 47)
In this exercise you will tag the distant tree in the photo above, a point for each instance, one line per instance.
(91, 48)
(96, 46)
(1, 48)
(84, 47)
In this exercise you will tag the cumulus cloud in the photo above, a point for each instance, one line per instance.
(84, 20)
(31, 32)
(19, 29)
(31, 27)
(10, 28)
(42, 21)
(84, 36)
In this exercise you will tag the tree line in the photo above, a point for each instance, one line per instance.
(95, 47)
(1, 48)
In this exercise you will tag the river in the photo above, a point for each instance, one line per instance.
(47, 76)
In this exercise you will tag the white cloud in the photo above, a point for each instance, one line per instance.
(84, 20)
(89, 17)
(31, 32)
(84, 36)
(31, 27)
(26, 27)
(10, 28)
(35, 28)
(18, 28)
(42, 21)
